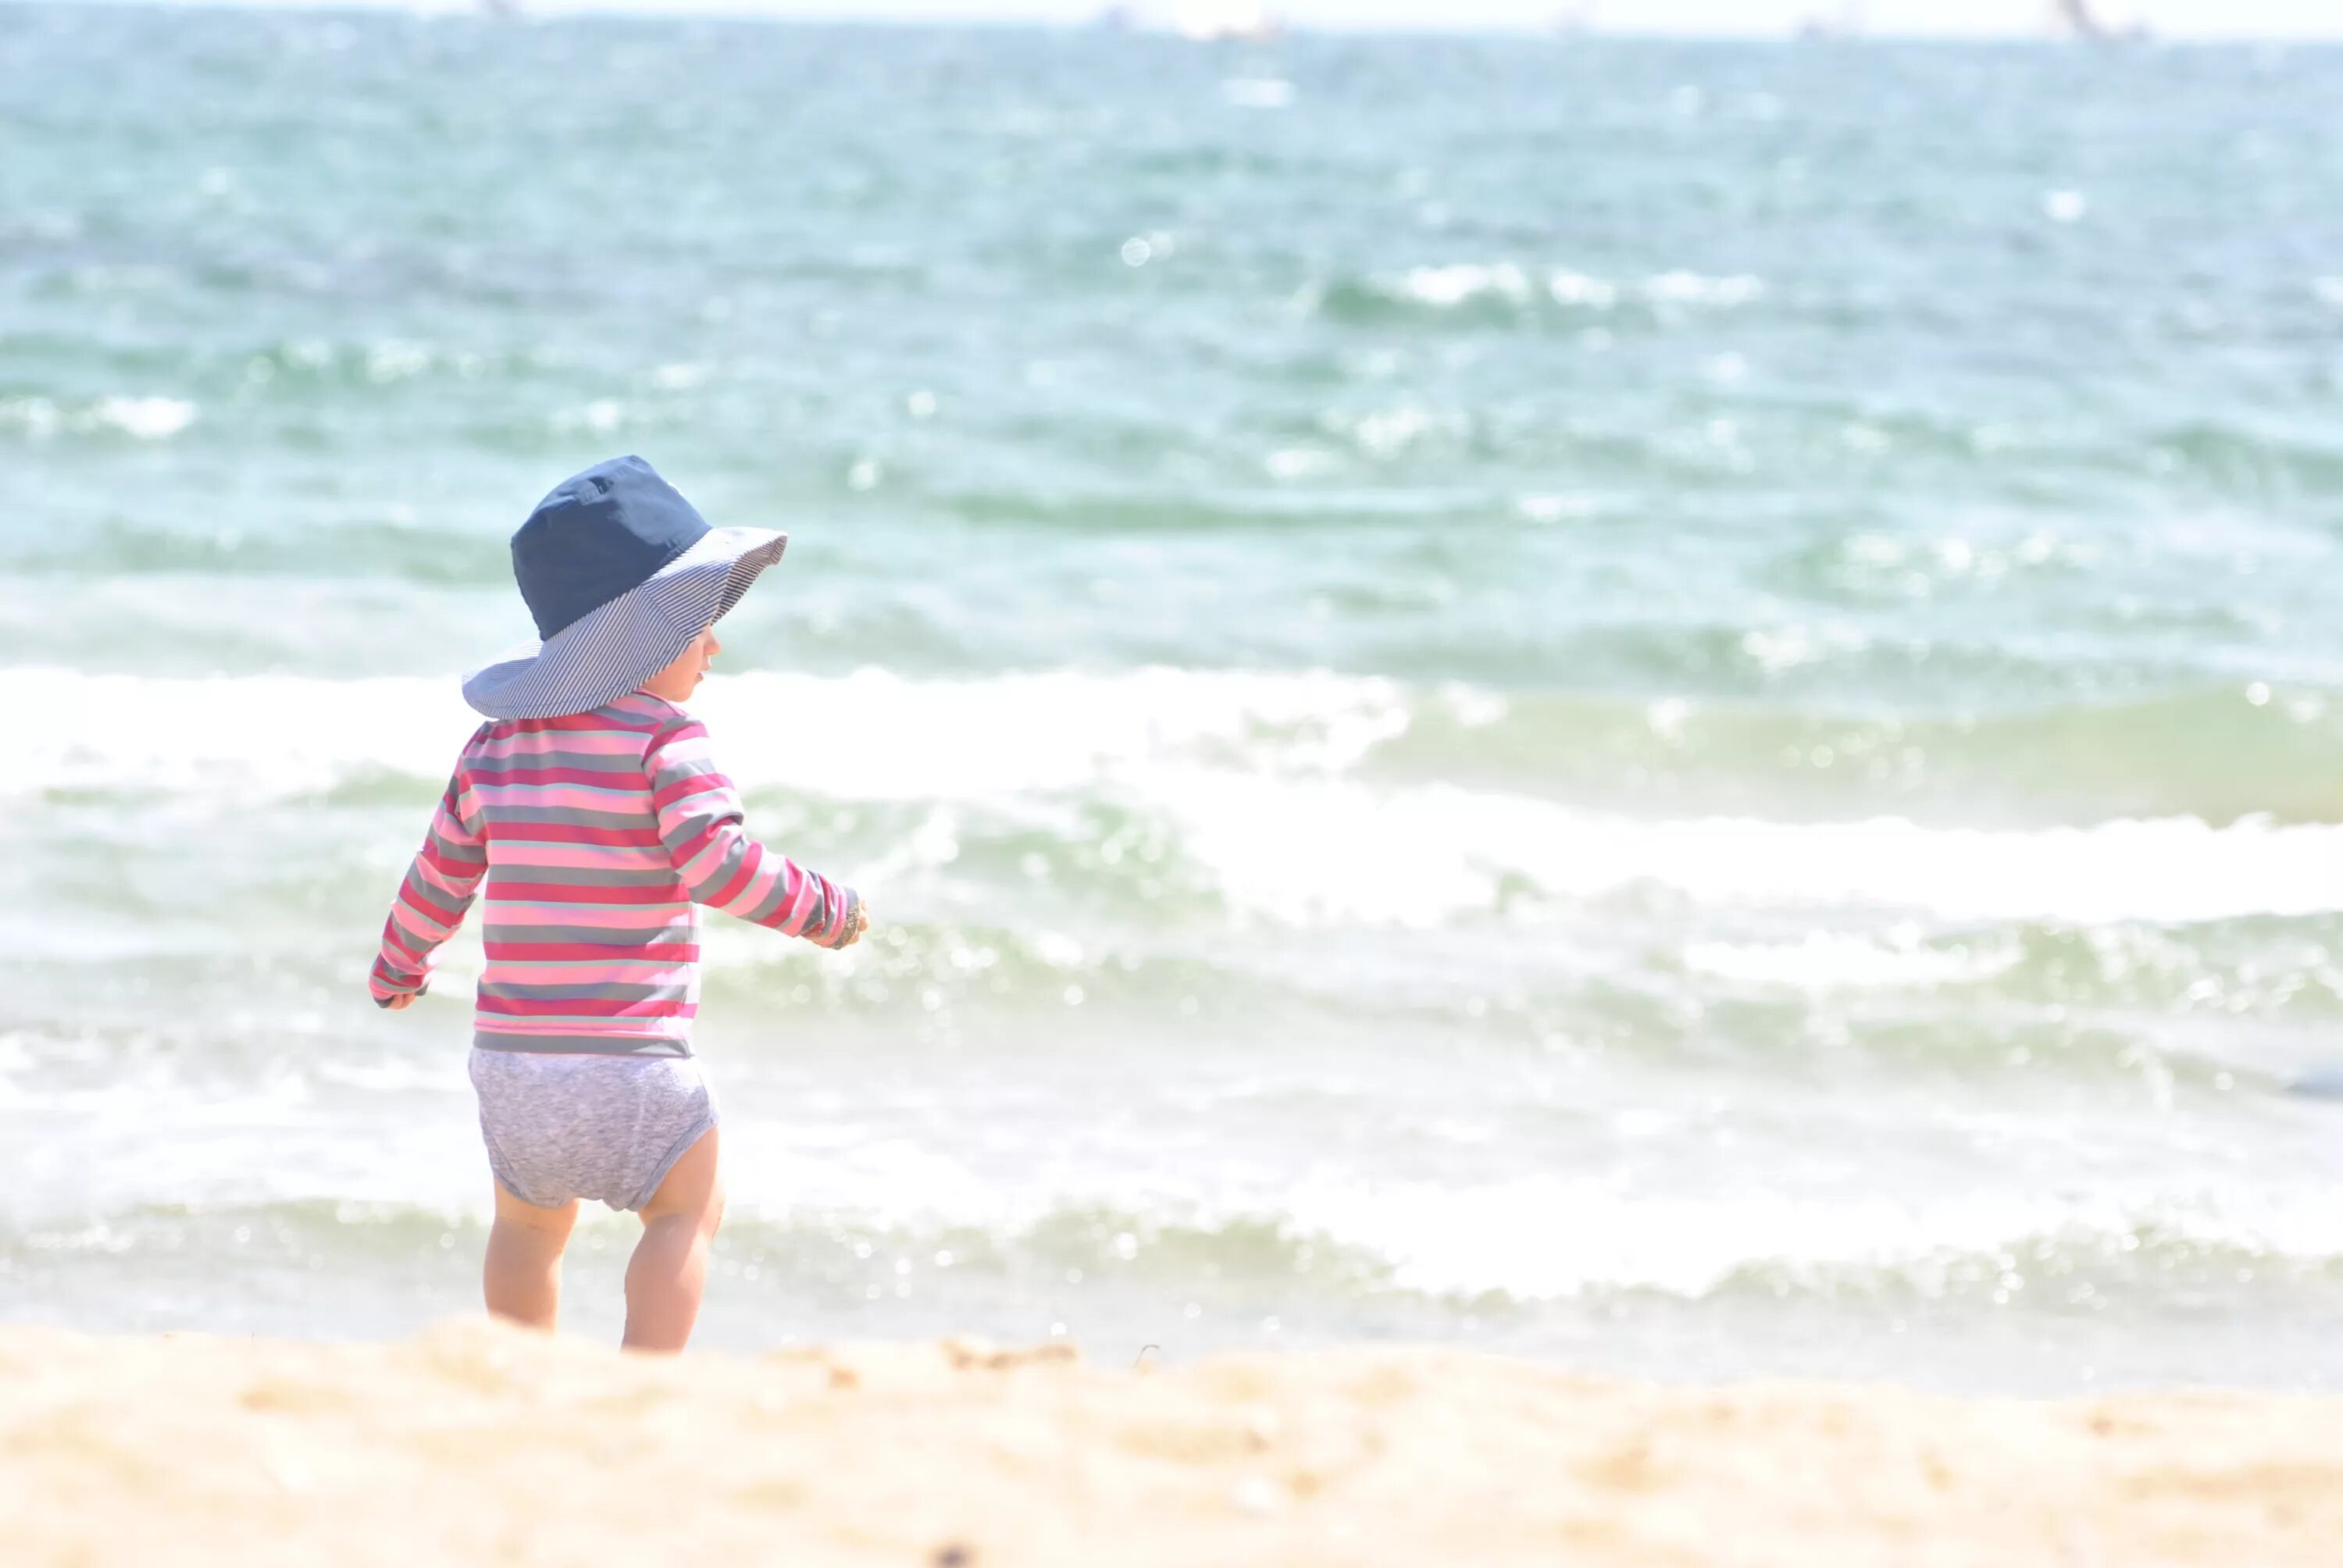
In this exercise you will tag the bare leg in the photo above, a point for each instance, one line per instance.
(522, 1275)
(670, 1268)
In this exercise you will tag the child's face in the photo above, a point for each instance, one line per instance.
(678, 680)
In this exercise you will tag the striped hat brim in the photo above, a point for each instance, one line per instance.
(610, 650)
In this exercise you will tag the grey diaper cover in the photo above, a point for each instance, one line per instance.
(608, 1128)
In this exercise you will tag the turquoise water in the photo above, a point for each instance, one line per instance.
(1669, 706)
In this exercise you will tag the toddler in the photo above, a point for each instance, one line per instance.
(589, 817)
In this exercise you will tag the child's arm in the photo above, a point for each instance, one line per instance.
(724, 868)
(431, 902)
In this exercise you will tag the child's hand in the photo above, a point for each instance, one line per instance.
(400, 1003)
(856, 924)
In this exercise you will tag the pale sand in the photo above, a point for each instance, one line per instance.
(477, 1444)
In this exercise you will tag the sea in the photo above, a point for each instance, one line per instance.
(1670, 707)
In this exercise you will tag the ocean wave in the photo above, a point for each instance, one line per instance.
(1825, 961)
(1755, 1240)
(2216, 752)
(1323, 853)
(871, 736)
(1259, 780)
(392, 543)
(2003, 1256)
(141, 417)
(1496, 292)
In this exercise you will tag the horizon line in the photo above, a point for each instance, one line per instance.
(1560, 26)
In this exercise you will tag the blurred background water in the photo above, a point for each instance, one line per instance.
(1673, 706)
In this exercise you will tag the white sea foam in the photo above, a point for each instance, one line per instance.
(1682, 287)
(147, 419)
(1555, 1235)
(1314, 851)
(871, 736)
(1459, 283)
(1675, 1197)
(1447, 285)
(1825, 962)
(1567, 287)
(1556, 1224)
(1256, 776)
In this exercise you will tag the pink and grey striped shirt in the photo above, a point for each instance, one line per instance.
(596, 836)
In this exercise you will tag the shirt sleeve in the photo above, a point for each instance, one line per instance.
(439, 887)
(720, 864)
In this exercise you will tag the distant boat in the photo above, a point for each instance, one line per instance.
(1229, 19)
(1846, 21)
(2088, 19)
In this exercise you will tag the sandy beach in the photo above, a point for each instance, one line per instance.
(474, 1443)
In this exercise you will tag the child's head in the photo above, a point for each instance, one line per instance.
(681, 678)
(610, 562)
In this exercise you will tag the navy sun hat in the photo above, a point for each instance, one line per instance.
(620, 573)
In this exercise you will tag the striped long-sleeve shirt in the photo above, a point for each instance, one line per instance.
(589, 840)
